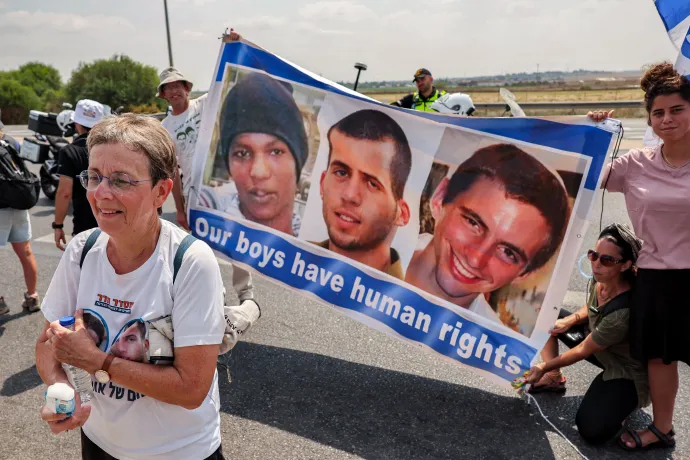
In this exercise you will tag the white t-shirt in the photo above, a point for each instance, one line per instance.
(226, 199)
(481, 307)
(126, 424)
(184, 129)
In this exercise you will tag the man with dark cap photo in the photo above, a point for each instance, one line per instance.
(263, 143)
(426, 93)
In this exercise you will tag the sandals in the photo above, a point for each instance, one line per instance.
(665, 440)
(549, 384)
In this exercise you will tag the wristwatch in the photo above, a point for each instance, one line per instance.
(102, 374)
(57, 226)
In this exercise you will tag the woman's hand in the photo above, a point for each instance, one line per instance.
(535, 374)
(561, 325)
(60, 422)
(234, 36)
(600, 115)
(75, 347)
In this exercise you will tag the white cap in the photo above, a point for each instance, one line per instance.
(88, 113)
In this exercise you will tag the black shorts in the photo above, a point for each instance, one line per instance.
(91, 451)
(660, 316)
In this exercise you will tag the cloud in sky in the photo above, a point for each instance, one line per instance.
(393, 37)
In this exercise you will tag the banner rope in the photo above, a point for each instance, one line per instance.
(614, 155)
(529, 398)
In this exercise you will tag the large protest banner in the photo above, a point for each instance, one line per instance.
(455, 233)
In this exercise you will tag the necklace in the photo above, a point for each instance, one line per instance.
(667, 164)
(601, 294)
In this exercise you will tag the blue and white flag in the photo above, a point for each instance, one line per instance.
(675, 14)
(458, 234)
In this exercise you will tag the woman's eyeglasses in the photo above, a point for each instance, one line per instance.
(606, 261)
(119, 181)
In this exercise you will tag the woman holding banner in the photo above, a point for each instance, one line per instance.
(598, 332)
(656, 186)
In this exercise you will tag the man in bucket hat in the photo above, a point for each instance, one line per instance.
(183, 125)
(425, 95)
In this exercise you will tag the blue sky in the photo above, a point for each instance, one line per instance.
(393, 37)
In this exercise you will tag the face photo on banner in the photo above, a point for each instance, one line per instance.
(262, 152)
(132, 341)
(371, 167)
(493, 216)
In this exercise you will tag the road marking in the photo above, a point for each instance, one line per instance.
(50, 238)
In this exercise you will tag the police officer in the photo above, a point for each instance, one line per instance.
(425, 95)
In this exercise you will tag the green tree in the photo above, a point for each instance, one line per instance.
(39, 77)
(118, 81)
(16, 100)
(53, 100)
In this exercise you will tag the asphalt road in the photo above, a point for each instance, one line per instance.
(308, 383)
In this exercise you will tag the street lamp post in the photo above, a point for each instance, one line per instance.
(359, 66)
(167, 29)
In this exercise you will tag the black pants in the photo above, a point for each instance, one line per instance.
(606, 404)
(90, 451)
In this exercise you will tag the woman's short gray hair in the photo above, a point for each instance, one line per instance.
(141, 134)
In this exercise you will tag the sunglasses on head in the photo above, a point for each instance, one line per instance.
(606, 261)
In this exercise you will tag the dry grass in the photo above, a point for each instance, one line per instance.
(527, 95)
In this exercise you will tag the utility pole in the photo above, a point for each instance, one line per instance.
(359, 66)
(167, 29)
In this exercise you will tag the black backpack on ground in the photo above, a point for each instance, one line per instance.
(19, 187)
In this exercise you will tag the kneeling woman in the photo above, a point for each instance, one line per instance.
(598, 332)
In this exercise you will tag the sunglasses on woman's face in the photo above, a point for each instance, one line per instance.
(606, 261)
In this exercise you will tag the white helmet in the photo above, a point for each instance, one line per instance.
(64, 119)
(457, 103)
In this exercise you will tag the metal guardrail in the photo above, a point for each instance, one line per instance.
(566, 105)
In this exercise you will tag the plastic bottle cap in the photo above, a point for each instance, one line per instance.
(66, 321)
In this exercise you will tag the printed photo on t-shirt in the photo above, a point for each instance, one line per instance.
(132, 341)
(98, 329)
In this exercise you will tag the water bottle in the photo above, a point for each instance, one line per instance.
(79, 378)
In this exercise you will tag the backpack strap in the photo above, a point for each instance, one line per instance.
(90, 241)
(179, 254)
(619, 302)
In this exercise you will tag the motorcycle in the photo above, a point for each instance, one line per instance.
(461, 104)
(51, 131)
(512, 107)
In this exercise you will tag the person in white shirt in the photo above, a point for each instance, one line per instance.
(501, 216)
(138, 410)
(183, 125)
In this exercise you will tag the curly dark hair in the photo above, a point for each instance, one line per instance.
(661, 80)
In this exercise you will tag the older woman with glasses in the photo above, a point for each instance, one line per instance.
(138, 410)
(598, 332)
